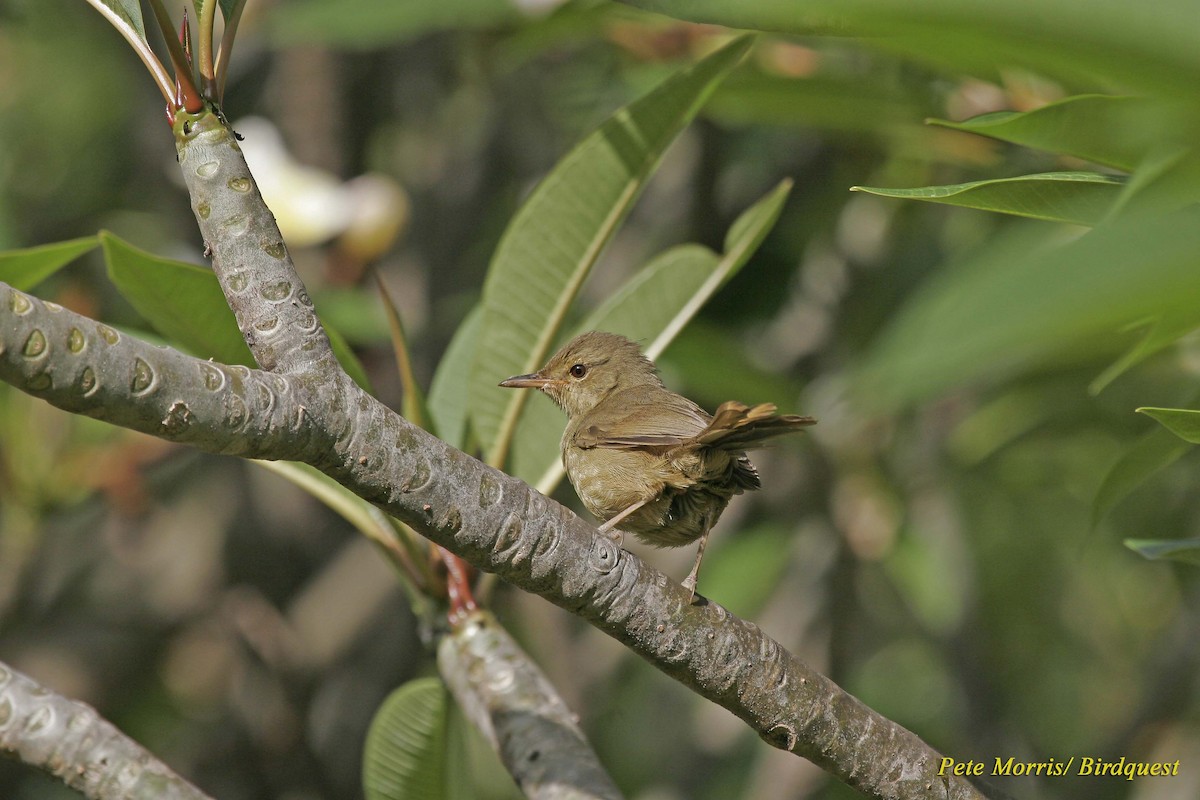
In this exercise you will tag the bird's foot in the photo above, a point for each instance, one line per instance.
(614, 534)
(689, 583)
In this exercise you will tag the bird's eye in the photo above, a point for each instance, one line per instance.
(578, 370)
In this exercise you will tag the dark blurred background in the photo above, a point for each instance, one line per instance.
(937, 561)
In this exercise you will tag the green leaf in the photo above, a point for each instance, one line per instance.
(447, 401)
(374, 23)
(181, 301)
(1115, 131)
(228, 7)
(1100, 43)
(558, 234)
(651, 308)
(1185, 550)
(1082, 198)
(405, 753)
(1030, 301)
(1154, 451)
(25, 269)
(1182, 422)
(184, 303)
(123, 13)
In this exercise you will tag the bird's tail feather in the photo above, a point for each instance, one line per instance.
(737, 426)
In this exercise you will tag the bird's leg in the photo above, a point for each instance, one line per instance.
(608, 526)
(689, 582)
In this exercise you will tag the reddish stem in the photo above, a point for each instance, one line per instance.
(458, 585)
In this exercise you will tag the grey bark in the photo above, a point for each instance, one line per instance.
(517, 709)
(499, 524)
(70, 741)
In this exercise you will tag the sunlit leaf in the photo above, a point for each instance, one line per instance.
(25, 269)
(1185, 550)
(405, 753)
(558, 234)
(184, 303)
(1082, 198)
(1182, 422)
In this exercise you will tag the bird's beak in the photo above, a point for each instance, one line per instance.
(531, 381)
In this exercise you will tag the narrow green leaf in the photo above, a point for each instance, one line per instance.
(184, 303)
(1115, 131)
(205, 23)
(413, 400)
(448, 392)
(1030, 300)
(1182, 422)
(1185, 550)
(1081, 198)
(557, 236)
(231, 10)
(25, 269)
(651, 308)
(405, 753)
(1153, 452)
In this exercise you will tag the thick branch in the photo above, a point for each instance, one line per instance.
(508, 698)
(70, 741)
(251, 262)
(86, 367)
(492, 520)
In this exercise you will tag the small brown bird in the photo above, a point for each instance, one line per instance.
(641, 456)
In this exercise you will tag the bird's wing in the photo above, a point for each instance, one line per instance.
(642, 418)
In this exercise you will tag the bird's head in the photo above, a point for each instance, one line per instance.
(587, 369)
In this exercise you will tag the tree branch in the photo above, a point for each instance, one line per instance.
(490, 519)
(517, 709)
(70, 741)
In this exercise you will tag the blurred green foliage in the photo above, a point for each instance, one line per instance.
(934, 545)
